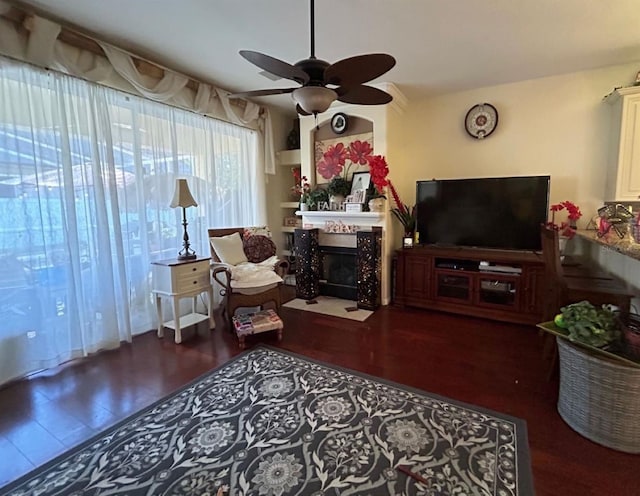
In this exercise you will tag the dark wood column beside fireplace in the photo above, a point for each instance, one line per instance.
(344, 272)
(496, 284)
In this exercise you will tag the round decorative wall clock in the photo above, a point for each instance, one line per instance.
(481, 120)
(339, 123)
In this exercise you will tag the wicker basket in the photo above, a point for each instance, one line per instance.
(631, 334)
(599, 398)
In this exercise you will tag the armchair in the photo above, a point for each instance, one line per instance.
(245, 267)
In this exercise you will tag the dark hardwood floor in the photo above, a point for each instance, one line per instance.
(494, 365)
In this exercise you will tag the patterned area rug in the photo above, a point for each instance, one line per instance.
(273, 423)
(329, 305)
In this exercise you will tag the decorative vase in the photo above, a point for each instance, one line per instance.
(407, 239)
(303, 207)
(562, 244)
(376, 205)
(293, 139)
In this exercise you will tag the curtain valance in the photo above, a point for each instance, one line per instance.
(39, 44)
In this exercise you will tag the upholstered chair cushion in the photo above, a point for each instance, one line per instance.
(229, 249)
(258, 248)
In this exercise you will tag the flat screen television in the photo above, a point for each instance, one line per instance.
(499, 212)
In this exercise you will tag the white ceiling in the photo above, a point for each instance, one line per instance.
(440, 45)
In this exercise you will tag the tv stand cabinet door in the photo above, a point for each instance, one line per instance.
(417, 270)
(454, 286)
(498, 291)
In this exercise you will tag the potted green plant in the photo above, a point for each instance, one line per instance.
(405, 214)
(317, 196)
(590, 325)
(338, 188)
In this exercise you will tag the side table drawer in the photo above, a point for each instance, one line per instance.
(191, 269)
(172, 278)
(192, 282)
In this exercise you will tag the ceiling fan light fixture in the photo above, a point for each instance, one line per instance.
(314, 99)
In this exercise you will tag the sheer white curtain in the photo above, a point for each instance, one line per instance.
(86, 177)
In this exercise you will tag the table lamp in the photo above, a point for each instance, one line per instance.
(182, 198)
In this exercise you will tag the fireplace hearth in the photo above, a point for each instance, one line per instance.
(338, 272)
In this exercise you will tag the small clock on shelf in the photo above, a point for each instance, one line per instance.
(481, 120)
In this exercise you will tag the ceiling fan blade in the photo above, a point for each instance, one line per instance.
(358, 69)
(276, 66)
(363, 95)
(274, 91)
(301, 111)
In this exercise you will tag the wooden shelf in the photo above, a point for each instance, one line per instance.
(187, 320)
(288, 229)
(288, 157)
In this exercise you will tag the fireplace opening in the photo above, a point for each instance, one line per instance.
(338, 272)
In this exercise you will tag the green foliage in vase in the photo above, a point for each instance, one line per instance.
(339, 186)
(590, 325)
(318, 195)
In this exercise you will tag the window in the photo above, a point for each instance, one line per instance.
(86, 177)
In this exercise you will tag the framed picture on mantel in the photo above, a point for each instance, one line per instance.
(360, 183)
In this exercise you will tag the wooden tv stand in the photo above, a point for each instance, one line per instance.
(449, 279)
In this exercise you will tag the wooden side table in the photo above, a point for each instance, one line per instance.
(182, 279)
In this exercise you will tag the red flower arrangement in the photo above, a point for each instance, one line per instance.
(567, 229)
(402, 212)
(301, 186)
(379, 170)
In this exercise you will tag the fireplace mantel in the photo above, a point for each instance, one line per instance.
(364, 219)
(382, 117)
(317, 219)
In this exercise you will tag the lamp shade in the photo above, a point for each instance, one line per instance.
(314, 99)
(182, 196)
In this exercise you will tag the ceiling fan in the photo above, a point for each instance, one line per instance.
(321, 82)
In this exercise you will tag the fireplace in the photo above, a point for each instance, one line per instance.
(341, 271)
(338, 272)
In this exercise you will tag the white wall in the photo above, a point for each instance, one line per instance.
(555, 125)
(279, 183)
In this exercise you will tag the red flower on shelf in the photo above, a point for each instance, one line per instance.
(301, 187)
(567, 229)
(359, 152)
(405, 214)
(379, 170)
